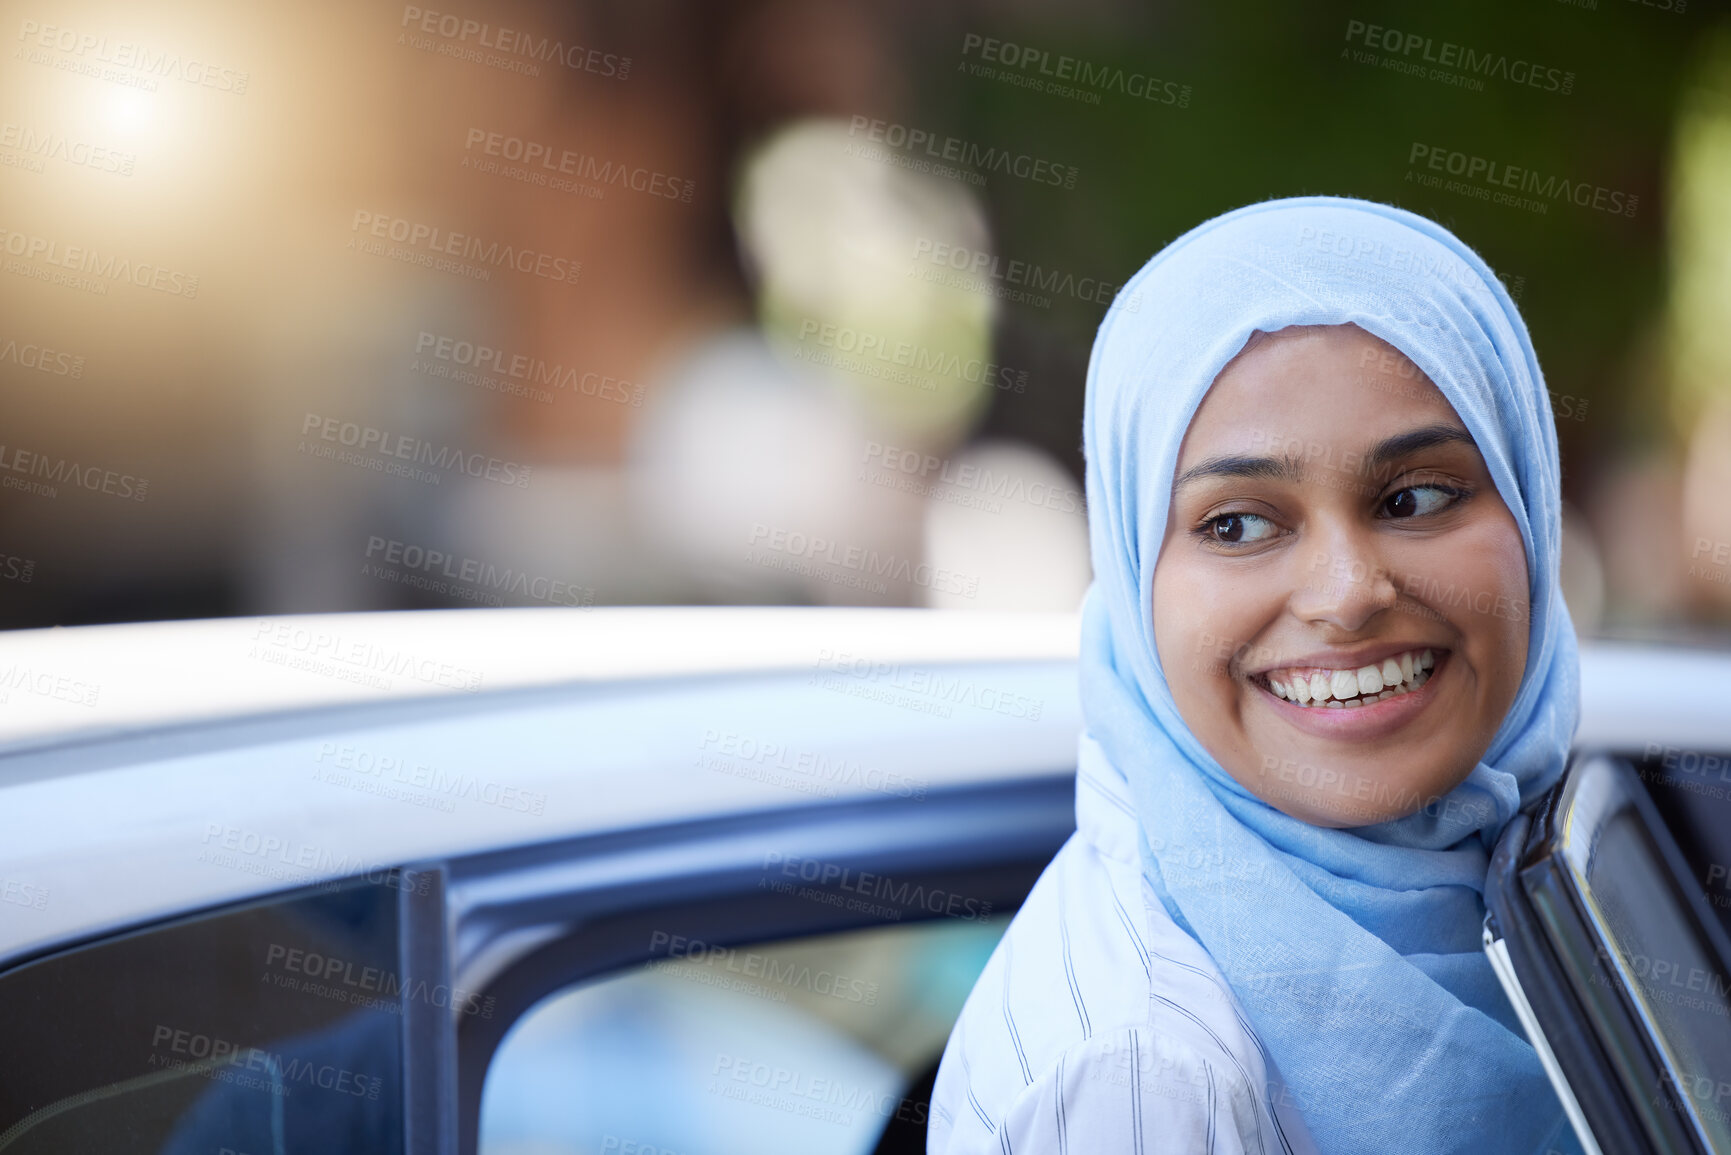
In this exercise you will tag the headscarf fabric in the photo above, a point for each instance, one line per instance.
(1356, 953)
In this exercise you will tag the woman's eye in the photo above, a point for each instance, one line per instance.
(1418, 500)
(1239, 528)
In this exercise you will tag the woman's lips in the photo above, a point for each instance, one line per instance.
(1373, 720)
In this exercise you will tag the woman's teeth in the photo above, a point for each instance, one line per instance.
(1340, 689)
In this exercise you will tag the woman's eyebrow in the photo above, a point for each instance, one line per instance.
(1288, 468)
(1391, 449)
(1291, 467)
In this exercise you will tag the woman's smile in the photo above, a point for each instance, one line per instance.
(1350, 700)
(1349, 538)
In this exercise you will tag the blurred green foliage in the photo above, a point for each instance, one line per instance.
(1280, 107)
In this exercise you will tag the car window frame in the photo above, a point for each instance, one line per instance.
(529, 922)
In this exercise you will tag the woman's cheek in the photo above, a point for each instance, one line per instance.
(1474, 582)
(1194, 643)
(1481, 570)
(1213, 619)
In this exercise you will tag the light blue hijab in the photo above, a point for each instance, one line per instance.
(1355, 953)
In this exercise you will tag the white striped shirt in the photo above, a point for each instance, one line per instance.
(1099, 1026)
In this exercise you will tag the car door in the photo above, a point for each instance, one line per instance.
(354, 994)
(1610, 914)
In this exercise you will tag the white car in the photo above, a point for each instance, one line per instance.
(533, 881)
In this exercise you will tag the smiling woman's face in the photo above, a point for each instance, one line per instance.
(1340, 604)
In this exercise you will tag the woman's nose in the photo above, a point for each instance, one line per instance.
(1342, 584)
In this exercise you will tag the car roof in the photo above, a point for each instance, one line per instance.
(79, 680)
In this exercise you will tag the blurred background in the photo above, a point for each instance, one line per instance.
(348, 306)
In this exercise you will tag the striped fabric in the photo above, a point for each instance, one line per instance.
(1100, 1027)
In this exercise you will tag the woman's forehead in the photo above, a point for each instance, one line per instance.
(1333, 387)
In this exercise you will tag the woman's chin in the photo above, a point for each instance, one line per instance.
(1350, 796)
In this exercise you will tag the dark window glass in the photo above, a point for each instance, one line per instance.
(1692, 791)
(271, 1028)
(1683, 993)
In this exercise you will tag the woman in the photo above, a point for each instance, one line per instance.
(1325, 659)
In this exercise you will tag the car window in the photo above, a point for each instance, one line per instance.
(274, 1027)
(815, 1045)
(1691, 789)
(1672, 972)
